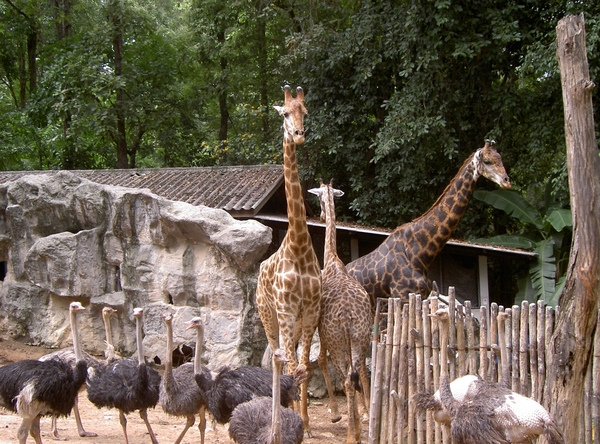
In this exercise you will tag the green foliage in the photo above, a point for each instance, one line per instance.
(546, 240)
(399, 93)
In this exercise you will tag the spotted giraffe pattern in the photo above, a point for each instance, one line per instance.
(288, 292)
(346, 321)
(399, 265)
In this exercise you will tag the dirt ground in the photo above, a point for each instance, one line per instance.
(167, 428)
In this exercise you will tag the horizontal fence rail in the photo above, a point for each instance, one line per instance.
(406, 360)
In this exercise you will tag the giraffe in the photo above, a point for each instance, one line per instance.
(399, 265)
(288, 291)
(346, 321)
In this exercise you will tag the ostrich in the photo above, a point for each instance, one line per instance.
(127, 385)
(229, 388)
(68, 354)
(263, 420)
(179, 393)
(34, 388)
(490, 412)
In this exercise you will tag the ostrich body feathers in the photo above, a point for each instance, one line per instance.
(126, 385)
(180, 395)
(258, 413)
(52, 385)
(230, 388)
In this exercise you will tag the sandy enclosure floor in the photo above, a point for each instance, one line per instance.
(167, 428)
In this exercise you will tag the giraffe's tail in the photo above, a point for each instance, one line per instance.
(354, 377)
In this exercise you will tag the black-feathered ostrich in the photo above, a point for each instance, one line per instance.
(68, 354)
(490, 412)
(231, 387)
(127, 385)
(179, 393)
(34, 388)
(263, 420)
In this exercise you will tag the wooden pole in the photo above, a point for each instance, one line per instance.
(571, 342)
(470, 339)
(523, 349)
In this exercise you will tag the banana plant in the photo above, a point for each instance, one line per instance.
(545, 232)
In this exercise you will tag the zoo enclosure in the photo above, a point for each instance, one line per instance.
(406, 360)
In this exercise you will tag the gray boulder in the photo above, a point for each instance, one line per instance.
(64, 238)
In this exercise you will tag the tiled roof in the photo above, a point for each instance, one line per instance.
(240, 190)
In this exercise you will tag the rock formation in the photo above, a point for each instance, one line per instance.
(63, 238)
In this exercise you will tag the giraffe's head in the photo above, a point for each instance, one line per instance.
(326, 193)
(489, 164)
(293, 112)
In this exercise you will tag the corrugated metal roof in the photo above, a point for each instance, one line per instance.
(240, 190)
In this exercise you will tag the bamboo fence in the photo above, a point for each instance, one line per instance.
(406, 360)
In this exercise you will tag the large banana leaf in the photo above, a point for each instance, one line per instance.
(560, 219)
(508, 240)
(543, 271)
(511, 203)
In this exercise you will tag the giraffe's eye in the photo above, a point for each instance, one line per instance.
(286, 115)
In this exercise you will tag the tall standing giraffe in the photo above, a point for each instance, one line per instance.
(399, 265)
(288, 292)
(346, 321)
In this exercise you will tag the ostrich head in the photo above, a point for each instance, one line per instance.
(441, 315)
(167, 318)
(138, 312)
(195, 322)
(107, 311)
(75, 307)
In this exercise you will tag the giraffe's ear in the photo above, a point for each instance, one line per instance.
(279, 109)
(315, 191)
(337, 193)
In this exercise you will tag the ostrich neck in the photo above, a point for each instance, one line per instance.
(296, 210)
(107, 329)
(275, 408)
(169, 354)
(75, 333)
(138, 339)
(198, 352)
(440, 221)
(330, 253)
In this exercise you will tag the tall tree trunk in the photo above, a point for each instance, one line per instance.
(121, 133)
(223, 129)
(571, 344)
(22, 78)
(62, 24)
(32, 37)
(262, 74)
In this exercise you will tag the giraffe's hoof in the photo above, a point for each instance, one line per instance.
(336, 419)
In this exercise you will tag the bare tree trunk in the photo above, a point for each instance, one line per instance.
(571, 343)
(120, 136)
(223, 87)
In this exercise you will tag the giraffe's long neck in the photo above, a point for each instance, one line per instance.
(296, 211)
(433, 229)
(330, 252)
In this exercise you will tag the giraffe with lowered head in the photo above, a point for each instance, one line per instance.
(288, 292)
(346, 322)
(399, 265)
